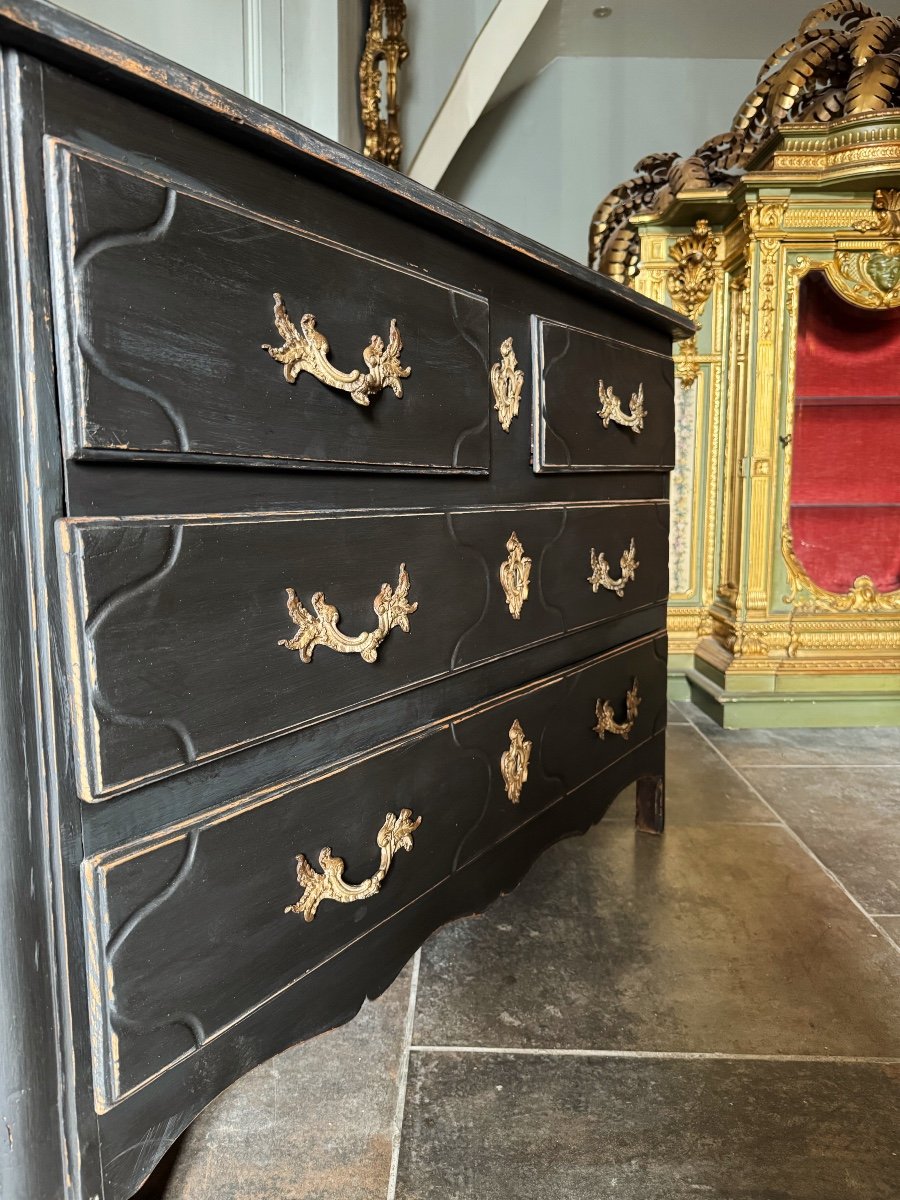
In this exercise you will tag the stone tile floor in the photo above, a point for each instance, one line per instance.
(712, 1014)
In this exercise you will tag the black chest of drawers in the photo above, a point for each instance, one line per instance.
(323, 614)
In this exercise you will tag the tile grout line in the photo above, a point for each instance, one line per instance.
(607, 821)
(884, 766)
(675, 1055)
(792, 833)
(403, 1075)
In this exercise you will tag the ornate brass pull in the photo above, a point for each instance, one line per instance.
(391, 608)
(600, 576)
(305, 349)
(514, 575)
(506, 384)
(395, 834)
(514, 762)
(606, 716)
(611, 408)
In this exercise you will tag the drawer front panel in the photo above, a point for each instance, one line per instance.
(561, 598)
(629, 426)
(187, 646)
(190, 929)
(164, 301)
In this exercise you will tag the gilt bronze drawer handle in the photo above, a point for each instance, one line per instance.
(606, 716)
(395, 834)
(391, 608)
(305, 349)
(611, 408)
(514, 575)
(601, 578)
(514, 762)
(506, 384)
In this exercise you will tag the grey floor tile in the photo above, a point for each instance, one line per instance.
(891, 926)
(715, 938)
(803, 747)
(674, 715)
(314, 1123)
(850, 818)
(699, 786)
(480, 1127)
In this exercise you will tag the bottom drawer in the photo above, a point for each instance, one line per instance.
(191, 928)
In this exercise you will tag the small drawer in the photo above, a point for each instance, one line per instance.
(588, 564)
(191, 928)
(190, 639)
(164, 299)
(599, 404)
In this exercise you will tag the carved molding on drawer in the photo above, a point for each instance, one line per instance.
(611, 408)
(395, 834)
(601, 578)
(514, 575)
(391, 607)
(514, 762)
(306, 349)
(606, 715)
(506, 384)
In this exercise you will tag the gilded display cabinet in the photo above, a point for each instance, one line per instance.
(785, 552)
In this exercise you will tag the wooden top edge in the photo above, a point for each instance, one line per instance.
(67, 41)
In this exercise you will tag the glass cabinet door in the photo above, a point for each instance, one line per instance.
(845, 479)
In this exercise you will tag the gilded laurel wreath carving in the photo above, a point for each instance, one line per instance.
(506, 384)
(514, 575)
(395, 834)
(306, 349)
(606, 715)
(601, 578)
(392, 609)
(514, 762)
(611, 408)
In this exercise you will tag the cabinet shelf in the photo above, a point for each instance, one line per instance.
(844, 401)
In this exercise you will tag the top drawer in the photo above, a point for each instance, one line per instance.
(164, 298)
(599, 404)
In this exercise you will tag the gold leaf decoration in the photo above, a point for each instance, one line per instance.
(843, 61)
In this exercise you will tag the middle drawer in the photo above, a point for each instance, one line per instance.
(193, 638)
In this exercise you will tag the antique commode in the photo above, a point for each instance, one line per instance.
(390, 588)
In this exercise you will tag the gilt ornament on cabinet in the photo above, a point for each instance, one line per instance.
(601, 578)
(515, 573)
(395, 834)
(514, 762)
(392, 608)
(606, 715)
(506, 384)
(611, 410)
(306, 349)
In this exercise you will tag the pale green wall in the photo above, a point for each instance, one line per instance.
(441, 33)
(299, 57)
(543, 159)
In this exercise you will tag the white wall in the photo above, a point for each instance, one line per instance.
(543, 159)
(440, 34)
(299, 57)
